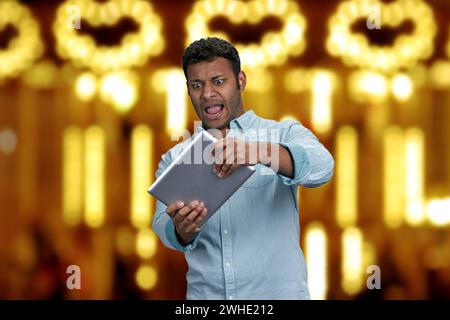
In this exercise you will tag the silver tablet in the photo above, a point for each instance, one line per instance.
(190, 177)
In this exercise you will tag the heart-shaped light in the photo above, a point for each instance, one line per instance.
(134, 49)
(407, 50)
(274, 48)
(24, 49)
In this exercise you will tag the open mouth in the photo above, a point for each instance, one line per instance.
(213, 112)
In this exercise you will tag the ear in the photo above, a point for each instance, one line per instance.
(242, 79)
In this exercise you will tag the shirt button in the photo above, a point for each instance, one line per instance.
(225, 231)
(227, 264)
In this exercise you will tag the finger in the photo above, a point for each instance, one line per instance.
(188, 223)
(177, 220)
(217, 151)
(224, 170)
(220, 144)
(200, 220)
(179, 217)
(230, 154)
(226, 162)
(188, 208)
(219, 168)
(229, 164)
(174, 207)
(232, 169)
(197, 224)
(223, 148)
(216, 168)
(224, 158)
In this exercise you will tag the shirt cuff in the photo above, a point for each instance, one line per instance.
(173, 239)
(300, 161)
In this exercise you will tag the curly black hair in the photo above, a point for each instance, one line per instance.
(208, 49)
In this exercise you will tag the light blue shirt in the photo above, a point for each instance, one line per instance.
(249, 249)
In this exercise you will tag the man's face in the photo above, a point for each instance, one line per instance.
(215, 93)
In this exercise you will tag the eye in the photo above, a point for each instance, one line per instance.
(219, 82)
(196, 85)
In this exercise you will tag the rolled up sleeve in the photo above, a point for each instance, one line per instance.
(313, 163)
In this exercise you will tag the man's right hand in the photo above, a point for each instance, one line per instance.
(188, 219)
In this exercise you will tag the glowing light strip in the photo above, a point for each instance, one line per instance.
(316, 260)
(393, 177)
(94, 177)
(346, 177)
(141, 166)
(72, 175)
(322, 91)
(176, 102)
(414, 182)
(352, 260)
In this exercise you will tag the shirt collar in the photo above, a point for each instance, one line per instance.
(242, 122)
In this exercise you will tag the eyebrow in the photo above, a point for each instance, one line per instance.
(212, 78)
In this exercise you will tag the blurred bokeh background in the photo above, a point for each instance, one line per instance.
(92, 94)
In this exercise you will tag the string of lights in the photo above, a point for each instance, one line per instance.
(134, 49)
(354, 48)
(24, 49)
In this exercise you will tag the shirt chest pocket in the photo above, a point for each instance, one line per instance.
(262, 176)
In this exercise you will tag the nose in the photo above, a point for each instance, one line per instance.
(208, 91)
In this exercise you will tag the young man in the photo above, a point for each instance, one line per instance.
(249, 249)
